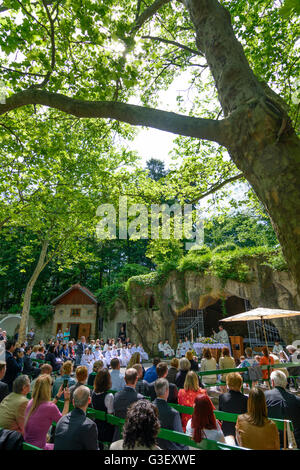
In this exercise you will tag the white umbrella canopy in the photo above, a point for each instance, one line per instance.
(262, 313)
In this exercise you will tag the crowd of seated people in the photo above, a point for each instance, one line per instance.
(144, 398)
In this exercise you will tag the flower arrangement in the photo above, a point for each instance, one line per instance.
(207, 340)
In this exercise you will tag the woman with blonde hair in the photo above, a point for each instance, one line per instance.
(191, 357)
(208, 362)
(34, 351)
(253, 429)
(187, 394)
(135, 359)
(226, 362)
(41, 412)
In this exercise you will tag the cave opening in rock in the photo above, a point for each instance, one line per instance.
(199, 323)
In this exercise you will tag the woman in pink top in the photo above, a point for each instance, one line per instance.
(41, 412)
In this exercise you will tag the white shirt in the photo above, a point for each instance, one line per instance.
(212, 434)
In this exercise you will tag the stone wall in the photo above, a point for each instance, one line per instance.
(120, 314)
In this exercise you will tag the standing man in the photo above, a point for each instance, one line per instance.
(30, 337)
(13, 367)
(221, 336)
(80, 348)
(122, 334)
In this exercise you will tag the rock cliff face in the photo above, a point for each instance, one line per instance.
(154, 310)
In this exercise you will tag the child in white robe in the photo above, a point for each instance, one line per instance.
(168, 350)
(179, 350)
(124, 357)
(88, 360)
(108, 356)
(144, 355)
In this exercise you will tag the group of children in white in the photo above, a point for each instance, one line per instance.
(94, 353)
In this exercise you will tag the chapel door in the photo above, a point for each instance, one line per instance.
(84, 330)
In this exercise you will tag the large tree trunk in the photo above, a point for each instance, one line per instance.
(260, 138)
(28, 291)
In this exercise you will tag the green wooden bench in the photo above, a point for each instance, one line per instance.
(166, 434)
(245, 369)
(224, 416)
(27, 446)
(174, 436)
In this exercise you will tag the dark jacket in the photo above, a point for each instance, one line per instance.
(180, 378)
(194, 365)
(75, 431)
(232, 402)
(13, 369)
(284, 405)
(3, 390)
(172, 375)
(28, 368)
(122, 400)
(169, 419)
(105, 430)
(10, 440)
(91, 379)
(173, 393)
(50, 357)
(80, 348)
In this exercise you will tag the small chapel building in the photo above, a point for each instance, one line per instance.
(77, 309)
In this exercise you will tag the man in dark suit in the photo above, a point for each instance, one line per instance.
(28, 368)
(168, 417)
(124, 398)
(233, 401)
(13, 367)
(79, 350)
(162, 372)
(283, 404)
(75, 431)
(3, 386)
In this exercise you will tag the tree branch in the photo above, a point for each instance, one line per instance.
(216, 187)
(148, 13)
(174, 43)
(53, 49)
(208, 129)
